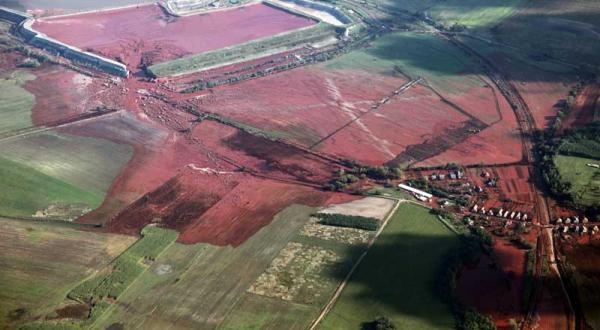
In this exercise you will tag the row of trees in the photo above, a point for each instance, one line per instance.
(468, 252)
(357, 172)
(349, 221)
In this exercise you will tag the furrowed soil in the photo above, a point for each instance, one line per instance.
(146, 32)
(40, 262)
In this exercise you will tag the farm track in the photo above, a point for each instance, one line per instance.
(400, 90)
(56, 124)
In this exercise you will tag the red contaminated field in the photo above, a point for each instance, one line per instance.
(217, 207)
(263, 156)
(250, 206)
(499, 143)
(149, 33)
(496, 291)
(585, 107)
(411, 119)
(321, 106)
(316, 103)
(540, 89)
(62, 94)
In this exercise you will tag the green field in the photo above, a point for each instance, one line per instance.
(567, 30)
(15, 102)
(57, 169)
(203, 282)
(40, 263)
(26, 190)
(397, 278)
(585, 180)
(88, 163)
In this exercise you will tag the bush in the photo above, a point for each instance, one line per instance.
(349, 221)
(380, 323)
(474, 321)
(29, 63)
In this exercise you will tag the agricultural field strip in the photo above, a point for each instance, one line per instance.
(343, 284)
(145, 269)
(378, 104)
(37, 130)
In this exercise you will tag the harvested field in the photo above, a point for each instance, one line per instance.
(41, 262)
(146, 35)
(71, 158)
(334, 233)
(497, 290)
(206, 281)
(372, 207)
(294, 275)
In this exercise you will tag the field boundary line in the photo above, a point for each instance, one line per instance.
(342, 285)
(113, 306)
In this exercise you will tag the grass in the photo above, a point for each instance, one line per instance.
(88, 163)
(127, 267)
(397, 277)
(570, 34)
(206, 282)
(585, 180)
(26, 190)
(15, 102)
(41, 262)
(474, 14)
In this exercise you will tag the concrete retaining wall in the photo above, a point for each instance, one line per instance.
(74, 54)
(321, 7)
(11, 15)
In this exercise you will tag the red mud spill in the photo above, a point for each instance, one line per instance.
(496, 291)
(585, 107)
(147, 31)
(217, 207)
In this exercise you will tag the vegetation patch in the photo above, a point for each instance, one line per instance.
(127, 267)
(15, 102)
(295, 275)
(42, 261)
(335, 233)
(349, 221)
